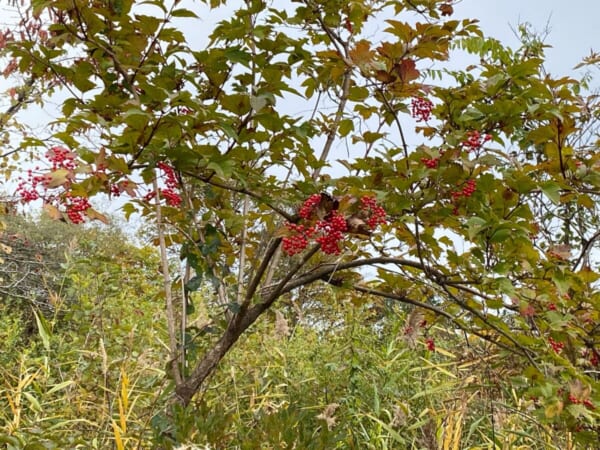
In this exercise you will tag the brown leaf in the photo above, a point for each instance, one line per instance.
(52, 212)
(328, 415)
(446, 9)
(281, 325)
(5, 248)
(128, 187)
(346, 202)
(361, 55)
(356, 225)
(101, 159)
(560, 251)
(407, 70)
(95, 215)
(58, 178)
(384, 76)
(327, 204)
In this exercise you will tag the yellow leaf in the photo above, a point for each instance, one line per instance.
(362, 55)
(57, 178)
(124, 388)
(122, 418)
(553, 409)
(52, 212)
(95, 215)
(5, 248)
(117, 433)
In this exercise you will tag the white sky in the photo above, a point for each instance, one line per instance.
(574, 25)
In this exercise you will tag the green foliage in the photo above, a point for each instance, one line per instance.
(69, 374)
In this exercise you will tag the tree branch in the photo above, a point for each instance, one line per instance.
(331, 135)
(436, 310)
(167, 287)
(241, 190)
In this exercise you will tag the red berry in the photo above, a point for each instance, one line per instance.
(421, 109)
(474, 140)
(430, 163)
(430, 343)
(588, 403)
(556, 346)
(309, 205)
(594, 359)
(298, 241)
(376, 214)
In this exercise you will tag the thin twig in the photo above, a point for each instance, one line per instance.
(241, 190)
(391, 110)
(331, 135)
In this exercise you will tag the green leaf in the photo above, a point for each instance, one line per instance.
(552, 190)
(60, 386)
(505, 286)
(184, 13)
(129, 209)
(258, 102)
(223, 167)
(35, 404)
(472, 114)
(43, 329)
(193, 284)
(475, 226)
(346, 126)
(501, 235)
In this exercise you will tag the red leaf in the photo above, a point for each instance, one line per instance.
(407, 70)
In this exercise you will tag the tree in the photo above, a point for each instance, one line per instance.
(485, 226)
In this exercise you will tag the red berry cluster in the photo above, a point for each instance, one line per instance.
(37, 184)
(115, 190)
(467, 190)
(551, 307)
(430, 163)
(28, 188)
(61, 158)
(556, 346)
(76, 208)
(375, 213)
(421, 109)
(123, 186)
(170, 192)
(171, 197)
(587, 402)
(430, 343)
(475, 140)
(298, 241)
(330, 230)
(309, 205)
